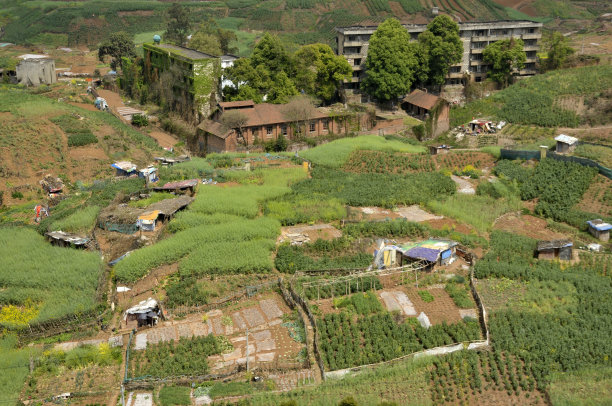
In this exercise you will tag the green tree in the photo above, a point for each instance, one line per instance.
(557, 50)
(177, 25)
(443, 47)
(119, 45)
(206, 43)
(249, 81)
(321, 71)
(282, 89)
(390, 63)
(505, 56)
(270, 52)
(224, 38)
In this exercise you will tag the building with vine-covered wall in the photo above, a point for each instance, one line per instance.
(192, 75)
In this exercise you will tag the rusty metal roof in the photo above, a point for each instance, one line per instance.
(422, 99)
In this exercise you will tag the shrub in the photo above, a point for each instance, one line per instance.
(80, 139)
(140, 120)
(426, 296)
(17, 195)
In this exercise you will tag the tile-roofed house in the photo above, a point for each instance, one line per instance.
(264, 122)
(426, 106)
(565, 143)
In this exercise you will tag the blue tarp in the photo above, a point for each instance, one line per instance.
(599, 225)
(427, 254)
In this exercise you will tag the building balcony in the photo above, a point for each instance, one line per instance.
(353, 56)
(535, 35)
(353, 43)
(531, 48)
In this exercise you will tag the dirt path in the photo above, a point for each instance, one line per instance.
(463, 185)
(164, 139)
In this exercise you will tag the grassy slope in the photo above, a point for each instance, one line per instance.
(32, 143)
(584, 387)
(534, 100)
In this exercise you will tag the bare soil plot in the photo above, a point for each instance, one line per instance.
(139, 399)
(415, 213)
(164, 139)
(527, 225)
(269, 340)
(304, 234)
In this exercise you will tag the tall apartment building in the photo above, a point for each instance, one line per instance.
(352, 43)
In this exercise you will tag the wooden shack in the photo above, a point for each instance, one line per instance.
(426, 106)
(438, 149)
(555, 249)
(600, 229)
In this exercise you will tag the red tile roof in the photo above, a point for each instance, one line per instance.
(259, 115)
(422, 99)
(234, 104)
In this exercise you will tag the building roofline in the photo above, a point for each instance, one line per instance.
(179, 51)
(466, 23)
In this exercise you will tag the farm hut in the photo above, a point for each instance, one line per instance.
(147, 221)
(600, 229)
(125, 168)
(149, 174)
(184, 186)
(561, 249)
(435, 252)
(439, 149)
(566, 144)
(63, 239)
(145, 313)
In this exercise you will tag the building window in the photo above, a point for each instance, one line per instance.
(312, 126)
(478, 79)
(357, 62)
(455, 69)
(269, 130)
(284, 129)
(351, 38)
(531, 30)
(326, 125)
(355, 73)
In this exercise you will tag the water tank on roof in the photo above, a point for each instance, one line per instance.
(156, 39)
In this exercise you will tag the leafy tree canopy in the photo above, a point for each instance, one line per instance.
(217, 40)
(390, 63)
(443, 47)
(177, 25)
(119, 45)
(505, 56)
(206, 43)
(321, 71)
(557, 50)
(270, 52)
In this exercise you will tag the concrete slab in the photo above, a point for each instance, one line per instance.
(239, 321)
(266, 345)
(266, 357)
(270, 309)
(262, 335)
(253, 317)
(140, 341)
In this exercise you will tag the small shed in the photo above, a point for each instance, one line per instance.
(125, 168)
(147, 221)
(555, 249)
(434, 251)
(565, 144)
(145, 313)
(439, 149)
(422, 104)
(169, 161)
(600, 229)
(63, 239)
(149, 174)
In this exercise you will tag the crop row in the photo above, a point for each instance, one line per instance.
(347, 341)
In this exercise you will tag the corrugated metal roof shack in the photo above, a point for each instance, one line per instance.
(555, 249)
(565, 143)
(434, 251)
(600, 229)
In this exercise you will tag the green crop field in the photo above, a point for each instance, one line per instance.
(48, 282)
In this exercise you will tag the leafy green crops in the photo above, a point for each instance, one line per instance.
(82, 220)
(336, 153)
(376, 189)
(60, 280)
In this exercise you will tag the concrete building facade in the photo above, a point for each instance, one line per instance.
(352, 43)
(196, 76)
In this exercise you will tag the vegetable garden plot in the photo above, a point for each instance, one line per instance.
(471, 377)
(346, 341)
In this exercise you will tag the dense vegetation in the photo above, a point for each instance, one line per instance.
(184, 357)
(54, 281)
(347, 342)
(463, 375)
(319, 255)
(376, 189)
(580, 338)
(535, 100)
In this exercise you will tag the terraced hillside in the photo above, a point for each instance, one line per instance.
(301, 21)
